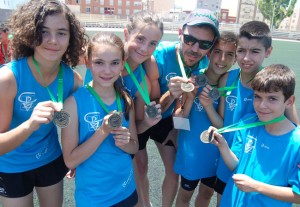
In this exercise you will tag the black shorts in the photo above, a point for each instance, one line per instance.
(219, 186)
(15, 185)
(158, 133)
(128, 202)
(190, 185)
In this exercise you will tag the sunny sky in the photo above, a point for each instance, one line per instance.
(226, 4)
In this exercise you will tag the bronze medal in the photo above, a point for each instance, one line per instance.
(115, 120)
(206, 137)
(151, 111)
(61, 119)
(201, 80)
(187, 87)
(214, 94)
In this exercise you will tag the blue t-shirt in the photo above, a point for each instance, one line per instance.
(266, 158)
(107, 176)
(42, 146)
(238, 103)
(168, 67)
(195, 159)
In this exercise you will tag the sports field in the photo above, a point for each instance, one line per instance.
(285, 52)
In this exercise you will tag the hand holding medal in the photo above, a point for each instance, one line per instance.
(151, 110)
(115, 119)
(61, 118)
(212, 133)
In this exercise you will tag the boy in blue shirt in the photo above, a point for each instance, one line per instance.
(264, 158)
(254, 45)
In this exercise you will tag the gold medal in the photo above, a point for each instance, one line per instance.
(187, 87)
(206, 137)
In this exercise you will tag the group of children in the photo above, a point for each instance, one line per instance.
(138, 90)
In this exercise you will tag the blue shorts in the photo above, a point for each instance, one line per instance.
(15, 185)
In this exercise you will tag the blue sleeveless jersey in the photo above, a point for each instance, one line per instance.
(128, 83)
(42, 146)
(106, 177)
(168, 67)
(266, 158)
(195, 159)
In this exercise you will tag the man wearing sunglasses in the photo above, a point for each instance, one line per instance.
(196, 38)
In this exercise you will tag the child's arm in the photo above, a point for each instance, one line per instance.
(151, 68)
(126, 139)
(146, 123)
(228, 156)
(41, 114)
(247, 184)
(73, 153)
(208, 105)
(187, 103)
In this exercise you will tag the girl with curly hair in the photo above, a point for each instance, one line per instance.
(47, 40)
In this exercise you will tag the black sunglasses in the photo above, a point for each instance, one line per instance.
(203, 44)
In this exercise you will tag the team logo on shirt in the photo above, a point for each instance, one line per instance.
(231, 102)
(198, 104)
(94, 120)
(250, 144)
(170, 75)
(27, 100)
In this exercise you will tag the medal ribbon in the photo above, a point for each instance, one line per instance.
(181, 65)
(232, 127)
(94, 93)
(60, 82)
(144, 93)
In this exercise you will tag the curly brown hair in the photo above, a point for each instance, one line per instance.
(27, 23)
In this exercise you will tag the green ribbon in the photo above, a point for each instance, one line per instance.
(60, 82)
(98, 98)
(144, 93)
(232, 127)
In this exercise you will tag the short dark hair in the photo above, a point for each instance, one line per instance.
(274, 78)
(257, 30)
(228, 37)
(3, 28)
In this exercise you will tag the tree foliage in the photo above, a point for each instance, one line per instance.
(276, 10)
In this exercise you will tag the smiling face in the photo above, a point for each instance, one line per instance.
(251, 54)
(222, 57)
(192, 54)
(270, 105)
(141, 43)
(106, 64)
(56, 36)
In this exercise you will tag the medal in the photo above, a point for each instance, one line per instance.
(61, 119)
(201, 80)
(151, 111)
(214, 94)
(206, 137)
(187, 87)
(115, 120)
